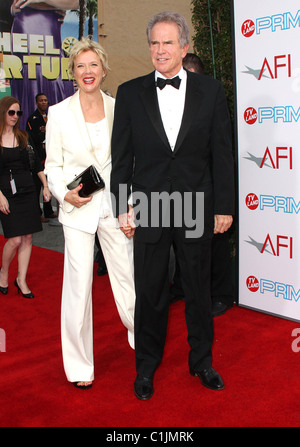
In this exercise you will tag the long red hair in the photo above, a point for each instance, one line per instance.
(20, 135)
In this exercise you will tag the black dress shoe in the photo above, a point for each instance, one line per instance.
(209, 378)
(143, 387)
(219, 308)
(176, 294)
(174, 298)
(4, 290)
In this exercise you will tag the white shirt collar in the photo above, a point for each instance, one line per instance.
(181, 74)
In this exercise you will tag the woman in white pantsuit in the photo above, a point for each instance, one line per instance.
(78, 135)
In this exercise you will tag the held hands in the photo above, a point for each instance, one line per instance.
(126, 222)
(222, 223)
(74, 198)
(127, 225)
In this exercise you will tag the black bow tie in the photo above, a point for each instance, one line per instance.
(175, 82)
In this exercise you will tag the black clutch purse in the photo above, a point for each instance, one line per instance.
(91, 181)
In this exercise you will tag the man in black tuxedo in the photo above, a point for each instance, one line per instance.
(173, 141)
(222, 290)
(36, 128)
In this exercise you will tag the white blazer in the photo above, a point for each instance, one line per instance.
(69, 151)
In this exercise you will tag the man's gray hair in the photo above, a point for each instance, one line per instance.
(170, 17)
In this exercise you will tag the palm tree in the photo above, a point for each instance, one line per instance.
(87, 8)
(92, 11)
(82, 18)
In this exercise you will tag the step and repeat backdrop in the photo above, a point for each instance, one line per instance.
(267, 70)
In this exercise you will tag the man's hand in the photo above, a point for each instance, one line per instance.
(222, 223)
(126, 222)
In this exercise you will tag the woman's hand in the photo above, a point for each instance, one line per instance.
(46, 194)
(4, 205)
(74, 198)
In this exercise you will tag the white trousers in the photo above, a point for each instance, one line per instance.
(76, 312)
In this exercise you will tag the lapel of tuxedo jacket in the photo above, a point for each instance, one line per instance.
(150, 101)
(149, 98)
(192, 99)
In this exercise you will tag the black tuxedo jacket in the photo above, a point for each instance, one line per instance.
(201, 161)
(33, 125)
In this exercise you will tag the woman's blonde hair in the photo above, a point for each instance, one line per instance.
(86, 44)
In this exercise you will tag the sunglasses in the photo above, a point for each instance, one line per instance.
(13, 112)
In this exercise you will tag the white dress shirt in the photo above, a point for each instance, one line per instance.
(171, 105)
(99, 137)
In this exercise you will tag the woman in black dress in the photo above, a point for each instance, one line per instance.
(19, 212)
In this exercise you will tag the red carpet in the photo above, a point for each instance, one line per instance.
(252, 351)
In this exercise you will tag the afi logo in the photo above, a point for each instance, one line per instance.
(252, 283)
(280, 157)
(250, 115)
(248, 28)
(281, 61)
(274, 246)
(252, 201)
(277, 244)
(281, 153)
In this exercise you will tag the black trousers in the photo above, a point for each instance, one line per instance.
(152, 299)
(222, 288)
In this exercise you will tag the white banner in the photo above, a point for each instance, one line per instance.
(267, 57)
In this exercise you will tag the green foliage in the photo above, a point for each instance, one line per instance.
(213, 44)
(212, 41)
(87, 8)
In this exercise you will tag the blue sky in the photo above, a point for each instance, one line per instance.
(70, 26)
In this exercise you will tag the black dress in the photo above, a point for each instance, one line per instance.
(24, 216)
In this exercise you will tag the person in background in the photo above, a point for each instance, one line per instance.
(193, 63)
(78, 135)
(222, 290)
(19, 213)
(172, 134)
(36, 128)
